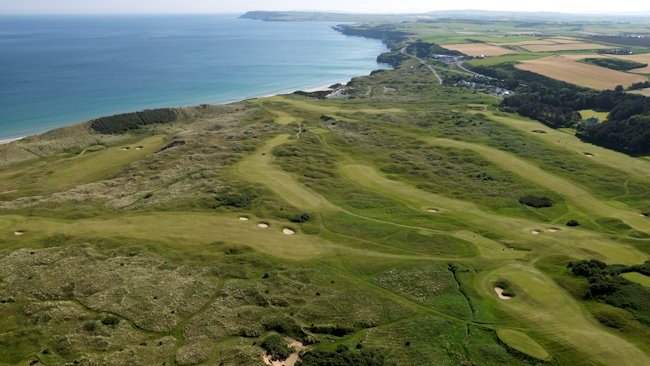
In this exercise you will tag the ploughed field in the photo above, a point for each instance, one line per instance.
(410, 223)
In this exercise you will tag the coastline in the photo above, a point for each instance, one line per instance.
(9, 140)
(32, 114)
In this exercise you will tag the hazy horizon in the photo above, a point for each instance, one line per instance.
(363, 6)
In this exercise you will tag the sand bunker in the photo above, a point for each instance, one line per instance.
(433, 210)
(589, 155)
(243, 218)
(263, 225)
(535, 232)
(139, 148)
(19, 233)
(288, 231)
(553, 230)
(539, 131)
(126, 148)
(499, 292)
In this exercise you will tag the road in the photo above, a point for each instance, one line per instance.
(403, 50)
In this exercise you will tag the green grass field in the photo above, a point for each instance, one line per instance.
(381, 225)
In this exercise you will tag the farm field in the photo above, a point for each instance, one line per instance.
(563, 47)
(566, 69)
(405, 222)
(479, 49)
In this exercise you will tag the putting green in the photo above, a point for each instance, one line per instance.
(522, 342)
(543, 306)
(637, 277)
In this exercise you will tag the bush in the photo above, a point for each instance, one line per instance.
(342, 357)
(606, 285)
(276, 347)
(335, 330)
(299, 219)
(536, 201)
(572, 223)
(111, 320)
(122, 123)
(243, 200)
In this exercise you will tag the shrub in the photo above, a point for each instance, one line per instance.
(299, 219)
(111, 320)
(572, 223)
(536, 201)
(244, 200)
(122, 123)
(343, 356)
(276, 347)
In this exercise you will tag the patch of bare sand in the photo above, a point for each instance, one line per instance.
(553, 230)
(499, 292)
(536, 232)
(263, 225)
(287, 231)
(433, 210)
(243, 218)
(19, 233)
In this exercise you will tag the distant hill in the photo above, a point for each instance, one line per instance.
(292, 16)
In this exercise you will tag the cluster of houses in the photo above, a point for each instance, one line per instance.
(448, 59)
(478, 84)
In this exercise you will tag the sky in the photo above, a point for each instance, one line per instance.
(370, 6)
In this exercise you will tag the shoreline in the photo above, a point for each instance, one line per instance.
(14, 139)
(288, 91)
(9, 140)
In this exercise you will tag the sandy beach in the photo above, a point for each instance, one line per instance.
(6, 141)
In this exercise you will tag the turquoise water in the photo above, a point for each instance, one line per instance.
(55, 71)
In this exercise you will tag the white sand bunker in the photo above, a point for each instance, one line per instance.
(553, 230)
(499, 292)
(288, 231)
(535, 232)
(19, 233)
(243, 218)
(126, 148)
(589, 155)
(433, 210)
(263, 225)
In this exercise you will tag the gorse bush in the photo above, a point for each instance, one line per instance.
(606, 285)
(536, 201)
(122, 123)
(276, 347)
(342, 357)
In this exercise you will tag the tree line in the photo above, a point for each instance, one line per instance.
(556, 104)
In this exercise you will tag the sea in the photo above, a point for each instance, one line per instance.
(60, 70)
